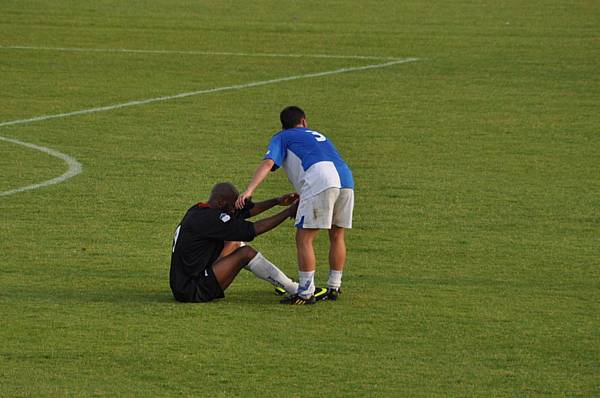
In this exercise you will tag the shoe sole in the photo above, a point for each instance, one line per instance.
(297, 302)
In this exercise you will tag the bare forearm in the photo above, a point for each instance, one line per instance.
(267, 224)
(260, 174)
(264, 206)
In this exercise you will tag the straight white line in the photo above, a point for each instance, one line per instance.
(208, 91)
(74, 166)
(234, 54)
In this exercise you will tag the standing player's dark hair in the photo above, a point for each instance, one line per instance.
(291, 116)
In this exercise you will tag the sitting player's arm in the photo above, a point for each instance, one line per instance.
(265, 205)
(234, 229)
(267, 224)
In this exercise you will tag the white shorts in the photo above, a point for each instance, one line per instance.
(333, 206)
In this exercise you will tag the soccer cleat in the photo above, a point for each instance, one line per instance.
(332, 294)
(320, 293)
(280, 291)
(298, 300)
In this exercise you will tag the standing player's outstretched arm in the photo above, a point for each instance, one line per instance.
(260, 174)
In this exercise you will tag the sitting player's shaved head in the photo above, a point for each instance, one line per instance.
(223, 190)
(223, 195)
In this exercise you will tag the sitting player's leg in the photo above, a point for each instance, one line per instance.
(230, 247)
(266, 270)
(226, 268)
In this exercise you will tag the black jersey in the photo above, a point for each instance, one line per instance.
(198, 242)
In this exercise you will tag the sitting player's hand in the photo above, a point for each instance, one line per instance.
(293, 209)
(287, 199)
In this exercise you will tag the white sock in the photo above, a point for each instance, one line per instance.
(335, 279)
(266, 270)
(306, 284)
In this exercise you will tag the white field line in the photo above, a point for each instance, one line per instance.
(234, 54)
(207, 91)
(74, 166)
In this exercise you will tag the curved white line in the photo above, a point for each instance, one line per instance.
(74, 166)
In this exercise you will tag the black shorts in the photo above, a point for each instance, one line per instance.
(205, 288)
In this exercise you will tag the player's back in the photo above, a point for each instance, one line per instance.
(311, 161)
(192, 251)
(311, 147)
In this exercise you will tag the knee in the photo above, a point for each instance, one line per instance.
(336, 234)
(302, 240)
(305, 237)
(247, 252)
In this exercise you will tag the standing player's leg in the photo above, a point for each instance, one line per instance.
(307, 262)
(342, 219)
(306, 273)
(337, 248)
(314, 213)
(337, 260)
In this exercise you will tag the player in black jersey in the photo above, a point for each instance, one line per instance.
(205, 260)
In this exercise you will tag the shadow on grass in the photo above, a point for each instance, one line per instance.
(255, 296)
(263, 295)
(73, 296)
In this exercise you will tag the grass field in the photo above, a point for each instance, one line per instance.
(473, 267)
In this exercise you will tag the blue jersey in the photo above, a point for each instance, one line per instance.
(310, 160)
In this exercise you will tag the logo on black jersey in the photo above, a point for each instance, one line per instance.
(224, 217)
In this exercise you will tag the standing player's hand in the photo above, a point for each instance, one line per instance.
(287, 199)
(241, 200)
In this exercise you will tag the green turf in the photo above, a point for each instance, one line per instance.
(473, 266)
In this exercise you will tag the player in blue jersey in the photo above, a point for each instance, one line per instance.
(326, 187)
